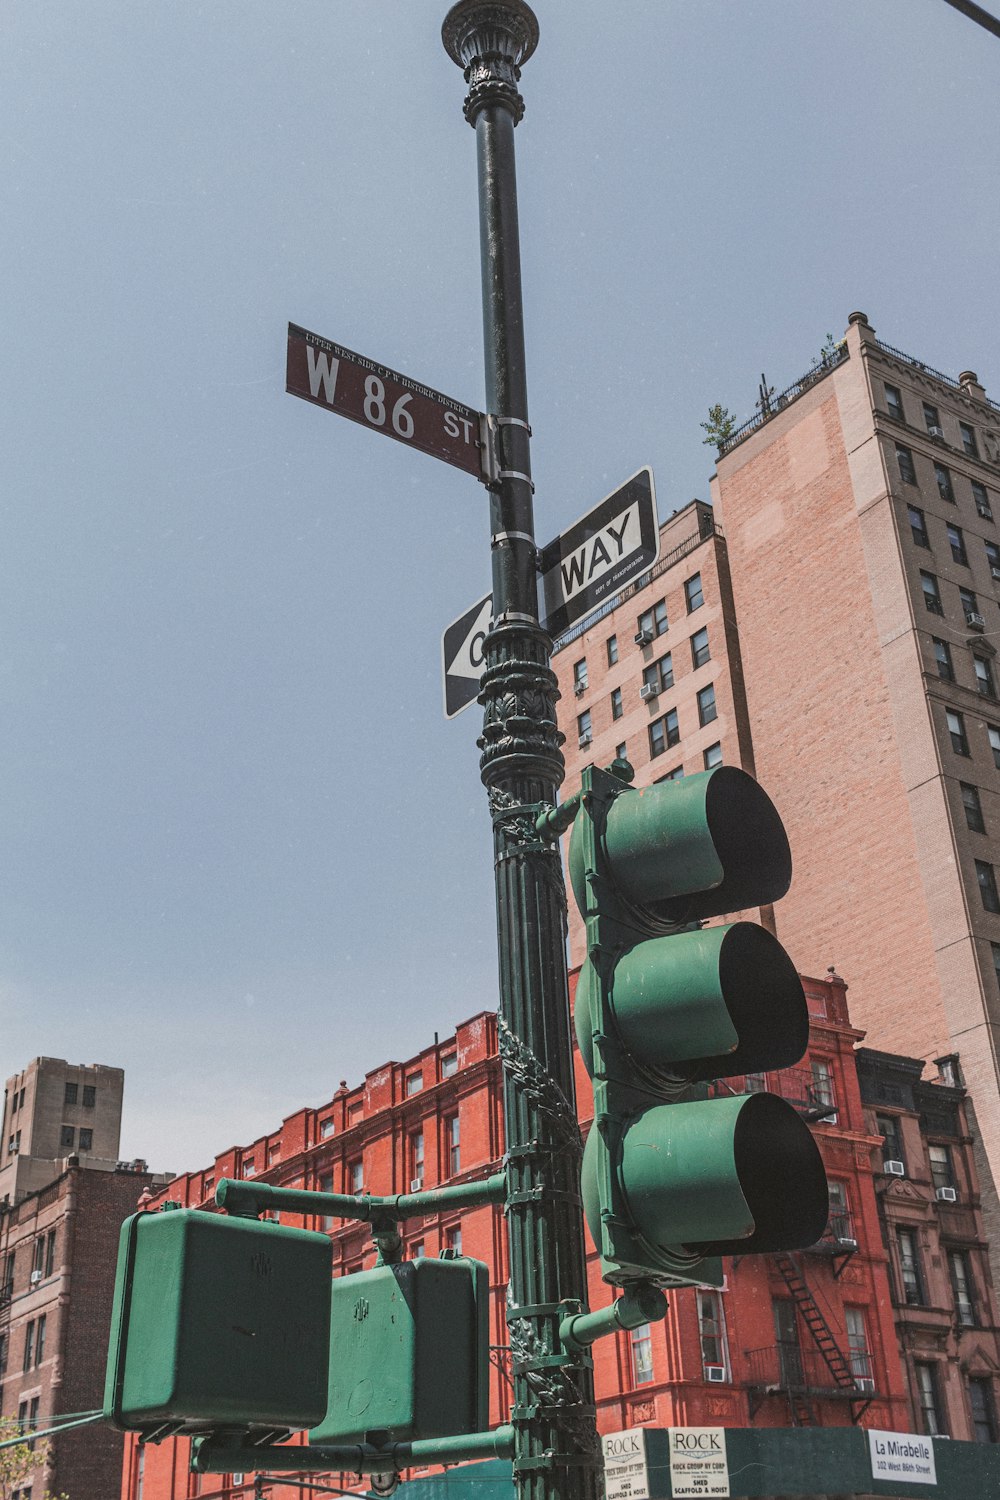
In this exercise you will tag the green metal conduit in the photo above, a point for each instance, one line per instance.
(207, 1457)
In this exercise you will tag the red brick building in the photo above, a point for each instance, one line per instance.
(804, 1339)
(57, 1271)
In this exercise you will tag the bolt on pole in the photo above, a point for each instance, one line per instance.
(556, 1450)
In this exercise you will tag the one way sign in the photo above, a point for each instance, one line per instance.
(462, 653)
(585, 565)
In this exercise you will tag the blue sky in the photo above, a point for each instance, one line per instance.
(243, 854)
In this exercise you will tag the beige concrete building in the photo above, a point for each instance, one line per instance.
(860, 511)
(54, 1110)
(655, 674)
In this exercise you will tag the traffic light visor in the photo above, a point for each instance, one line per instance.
(681, 851)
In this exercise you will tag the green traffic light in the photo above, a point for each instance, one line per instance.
(672, 1180)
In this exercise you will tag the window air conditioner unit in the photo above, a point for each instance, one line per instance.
(995, 572)
(238, 1478)
(935, 431)
(649, 690)
(847, 1241)
(644, 638)
(984, 511)
(584, 741)
(894, 1168)
(36, 1277)
(716, 1374)
(947, 1195)
(416, 1183)
(975, 621)
(865, 1383)
(579, 688)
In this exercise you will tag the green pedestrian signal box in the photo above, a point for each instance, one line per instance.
(674, 1179)
(218, 1323)
(409, 1353)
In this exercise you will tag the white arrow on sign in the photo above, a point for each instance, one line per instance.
(462, 656)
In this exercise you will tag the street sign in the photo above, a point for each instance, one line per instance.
(356, 387)
(600, 553)
(462, 656)
(594, 558)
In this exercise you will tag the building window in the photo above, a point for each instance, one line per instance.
(932, 596)
(786, 1338)
(822, 1087)
(663, 733)
(653, 622)
(969, 439)
(957, 543)
(71, 1093)
(956, 729)
(583, 727)
(894, 402)
(942, 655)
(973, 808)
(453, 1239)
(416, 1250)
(892, 1148)
(707, 710)
(67, 1137)
(987, 879)
(415, 1157)
(840, 1215)
(580, 675)
(29, 1346)
(325, 1185)
(713, 756)
(39, 1258)
(755, 1083)
(640, 1348)
(930, 1408)
(961, 1286)
(4, 1342)
(249, 1166)
(693, 593)
(449, 1065)
(700, 652)
(918, 526)
(932, 420)
(659, 675)
(983, 1409)
(909, 1267)
(40, 1341)
(982, 499)
(984, 676)
(453, 1145)
(612, 650)
(354, 1113)
(675, 775)
(86, 1139)
(414, 1084)
(904, 459)
(326, 1129)
(712, 1328)
(970, 603)
(89, 1095)
(946, 489)
(993, 555)
(620, 751)
(50, 1252)
(32, 1427)
(993, 733)
(857, 1343)
(356, 1176)
(940, 1160)
(617, 708)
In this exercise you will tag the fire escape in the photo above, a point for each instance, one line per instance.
(820, 1371)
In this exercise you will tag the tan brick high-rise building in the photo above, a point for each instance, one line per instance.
(860, 513)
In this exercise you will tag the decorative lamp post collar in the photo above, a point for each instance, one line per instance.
(491, 40)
